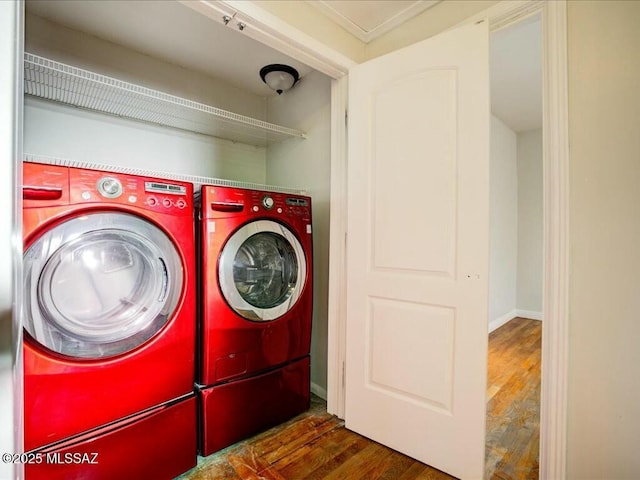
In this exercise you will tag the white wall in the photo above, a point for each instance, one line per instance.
(604, 326)
(515, 259)
(530, 240)
(60, 131)
(305, 163)
(503, 221)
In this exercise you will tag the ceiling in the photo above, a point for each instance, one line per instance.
(369, 20)
(193, 41)
(516, 75)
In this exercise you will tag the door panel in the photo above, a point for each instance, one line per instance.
(421, 107)
(418, 250)
(411, 351)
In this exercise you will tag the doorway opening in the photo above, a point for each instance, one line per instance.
(516, 251)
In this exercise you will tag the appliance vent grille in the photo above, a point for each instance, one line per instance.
(51, 80)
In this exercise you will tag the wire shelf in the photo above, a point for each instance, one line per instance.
(197, 181)
(51, 80)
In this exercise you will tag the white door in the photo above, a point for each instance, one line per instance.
(418, 230)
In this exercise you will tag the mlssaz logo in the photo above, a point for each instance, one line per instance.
(72, 458)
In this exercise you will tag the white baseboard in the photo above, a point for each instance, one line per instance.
(530, 314)
(319, 391)
(501, 320)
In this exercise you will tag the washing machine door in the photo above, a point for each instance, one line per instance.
(100, 284)
(262, 270)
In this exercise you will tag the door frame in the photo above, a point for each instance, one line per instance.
(555, 148)
(11, 113)
(271, 30)
(553, 421)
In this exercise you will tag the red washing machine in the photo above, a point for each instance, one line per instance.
(256, 301)
(109, 315)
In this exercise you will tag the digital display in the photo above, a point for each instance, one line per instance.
(297, 202)
(158, 187)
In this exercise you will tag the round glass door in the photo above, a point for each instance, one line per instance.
(262, 270)
(101, 284)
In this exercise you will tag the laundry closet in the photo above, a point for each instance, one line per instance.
(281, 141)
(131, 88)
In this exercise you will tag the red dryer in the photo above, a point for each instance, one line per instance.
(109, 315)
(256, 307)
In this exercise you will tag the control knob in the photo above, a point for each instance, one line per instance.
(109, 187)
(267, 202)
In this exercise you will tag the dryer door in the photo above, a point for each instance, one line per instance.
(100, 284)
(262, 270)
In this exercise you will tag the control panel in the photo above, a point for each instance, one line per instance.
(150, 194)
(219, 200)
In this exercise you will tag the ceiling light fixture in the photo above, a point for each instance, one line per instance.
(279, 77)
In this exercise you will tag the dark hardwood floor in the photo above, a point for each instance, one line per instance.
(315, 445)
